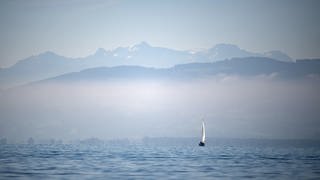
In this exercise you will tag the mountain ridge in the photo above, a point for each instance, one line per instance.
(246, 67)
(49, 64)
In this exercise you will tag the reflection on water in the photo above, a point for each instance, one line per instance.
(219, 159)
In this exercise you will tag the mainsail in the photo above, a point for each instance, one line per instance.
(203, 133)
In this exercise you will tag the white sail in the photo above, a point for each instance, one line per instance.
(203, 133)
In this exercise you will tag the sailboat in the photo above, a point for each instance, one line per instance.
(203, 138)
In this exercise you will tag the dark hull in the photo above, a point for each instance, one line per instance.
(201, 144)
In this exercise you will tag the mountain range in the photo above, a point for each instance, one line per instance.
(246, 66)
(49, 64)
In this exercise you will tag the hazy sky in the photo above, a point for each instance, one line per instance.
(77, 28)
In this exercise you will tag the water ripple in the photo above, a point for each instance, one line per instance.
(152, 161)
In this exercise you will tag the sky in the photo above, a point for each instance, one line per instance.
(77, 28)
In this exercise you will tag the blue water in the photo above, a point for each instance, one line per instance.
(221, 159)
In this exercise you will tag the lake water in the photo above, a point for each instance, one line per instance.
(219, 159)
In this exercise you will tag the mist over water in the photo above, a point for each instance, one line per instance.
(232, 106)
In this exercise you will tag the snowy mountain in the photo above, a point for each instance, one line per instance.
(49, 64)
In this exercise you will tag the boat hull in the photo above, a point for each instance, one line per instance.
(201, 144)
